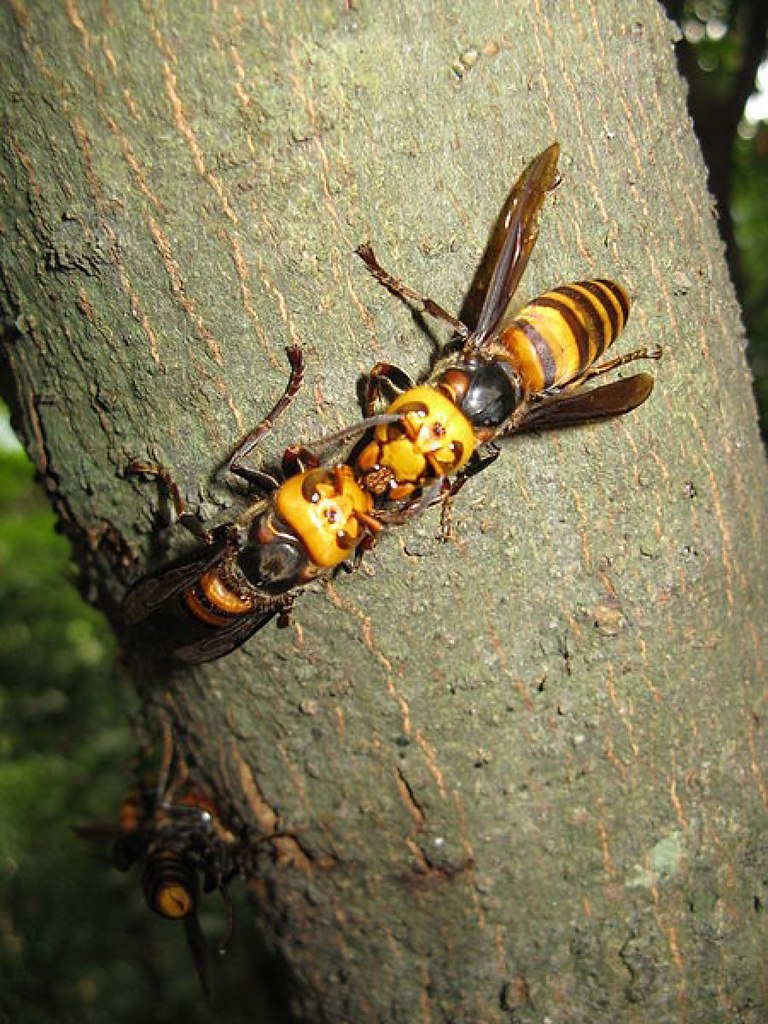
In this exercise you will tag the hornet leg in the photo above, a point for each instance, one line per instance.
(611, 364)
(244, 449)
(186, 518)
(422, 303)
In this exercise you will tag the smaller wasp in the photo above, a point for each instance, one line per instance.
(251, 569)
(171, 828)
(515, 370)
(176, 840)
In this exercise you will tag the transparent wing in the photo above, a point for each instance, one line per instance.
(150, 593)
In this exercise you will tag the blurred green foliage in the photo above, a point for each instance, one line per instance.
(724, 56)
(750, 217)
(77, 941)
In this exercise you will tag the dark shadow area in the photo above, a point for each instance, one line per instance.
(77, 940)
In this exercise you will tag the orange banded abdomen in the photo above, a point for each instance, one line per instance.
(170, 884)
(213, 602)
(559, 335)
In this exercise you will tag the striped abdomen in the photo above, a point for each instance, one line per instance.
(214, 602)
(170, 884)
(556, 337)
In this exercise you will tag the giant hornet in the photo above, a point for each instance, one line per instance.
(514, 372)
(177, 836)
(170, 827)
(250, 570)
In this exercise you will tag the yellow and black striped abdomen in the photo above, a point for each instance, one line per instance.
(556, 337)
(170, 884)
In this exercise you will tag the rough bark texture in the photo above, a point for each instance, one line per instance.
(520, 776)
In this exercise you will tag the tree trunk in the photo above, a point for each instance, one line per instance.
(519, 776)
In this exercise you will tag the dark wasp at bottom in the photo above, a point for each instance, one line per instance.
(170, 828)
(174, 832)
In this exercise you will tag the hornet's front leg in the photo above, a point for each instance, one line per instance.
(422, 303)
(239, 456)
(187, 519)
(381, 375)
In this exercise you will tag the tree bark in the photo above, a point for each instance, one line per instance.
(519, 776)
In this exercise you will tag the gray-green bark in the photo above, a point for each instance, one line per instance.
(520, 776)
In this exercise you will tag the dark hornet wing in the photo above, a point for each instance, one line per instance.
(584, 404)
(150, 593)
(514, 238)
(223, 640)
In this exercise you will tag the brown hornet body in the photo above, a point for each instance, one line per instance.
(515, 371)
(177, 842)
